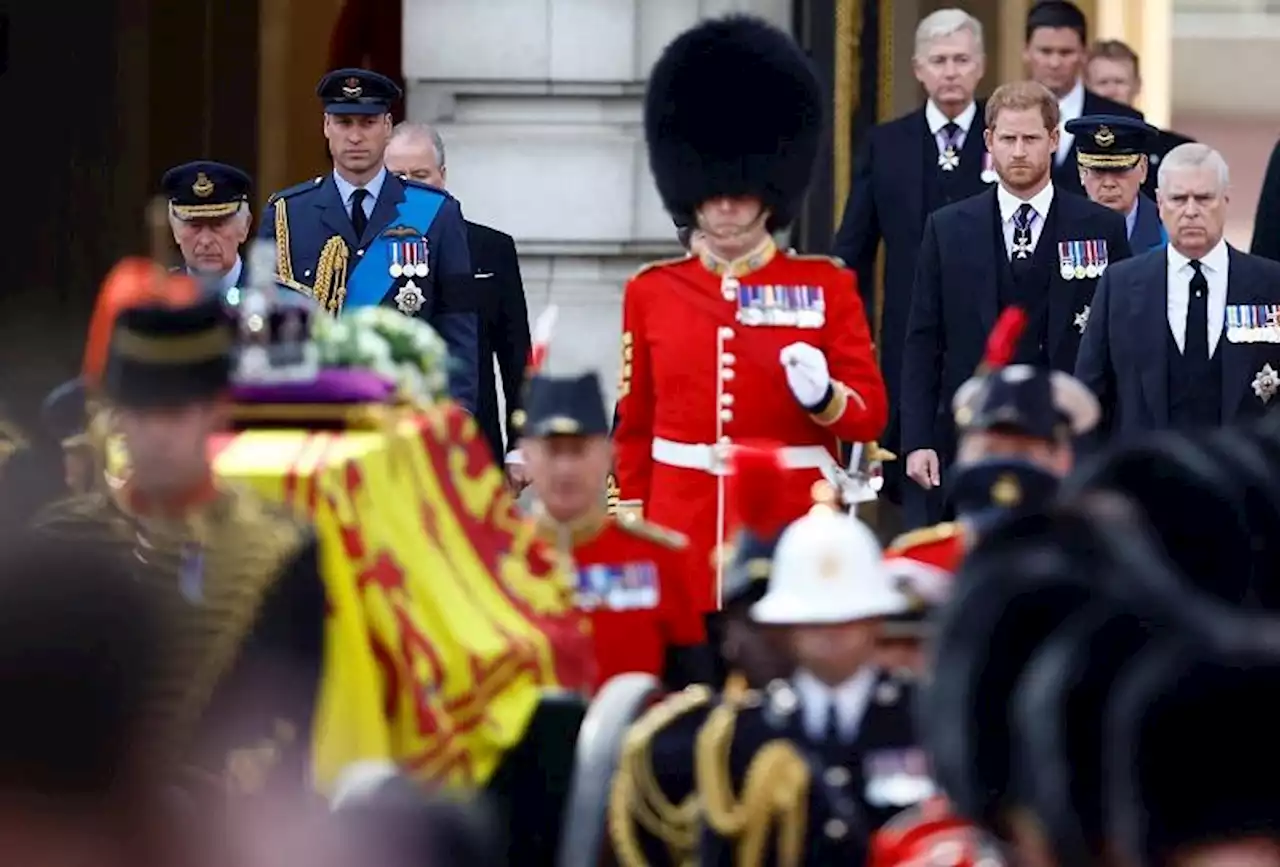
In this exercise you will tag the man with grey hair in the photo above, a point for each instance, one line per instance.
(1188, 335)
(906, 169)
(210, 217)
(417, 151)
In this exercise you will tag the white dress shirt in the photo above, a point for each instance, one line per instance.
(1009, 204)
(936, 120)
(1214, 266)
(346, 188)
(850, 698)
(1131, 218)
(1070, 107)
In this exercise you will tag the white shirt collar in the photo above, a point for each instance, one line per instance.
(1215, 260)
(1009, 203)
(936, 120)
(850, 699)
(1071, 106)
(346, 188)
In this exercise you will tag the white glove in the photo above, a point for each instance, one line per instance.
(807, 373)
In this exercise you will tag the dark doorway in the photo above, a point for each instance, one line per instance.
(100, 100)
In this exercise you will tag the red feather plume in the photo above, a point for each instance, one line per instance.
(1002, 342)
(759, 479)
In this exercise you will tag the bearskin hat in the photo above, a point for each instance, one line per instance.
(733, 108)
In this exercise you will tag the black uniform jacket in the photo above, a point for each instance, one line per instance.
(235, 704)
(841, 792)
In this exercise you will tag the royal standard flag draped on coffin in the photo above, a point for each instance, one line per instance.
(447, 617)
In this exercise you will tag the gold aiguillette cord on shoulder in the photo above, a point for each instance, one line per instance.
(776, 787)
(330, 288)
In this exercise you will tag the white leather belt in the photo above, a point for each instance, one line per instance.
(715, 459)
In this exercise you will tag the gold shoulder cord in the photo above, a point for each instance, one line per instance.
(284, 260)
(776, 786)
(331, 275)
(637, 798)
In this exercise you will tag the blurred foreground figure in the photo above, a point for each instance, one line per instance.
(653, 816)
(237, 578)
(80, 642)
(393, 822)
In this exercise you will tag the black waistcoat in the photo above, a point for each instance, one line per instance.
(1195, 387)
(942, 187)
(1029, 288)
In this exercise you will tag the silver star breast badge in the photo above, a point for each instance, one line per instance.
(1082, 319)
(410, 298)
(1266, 383)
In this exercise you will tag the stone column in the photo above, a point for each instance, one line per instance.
(1147, 27)
(539, 103)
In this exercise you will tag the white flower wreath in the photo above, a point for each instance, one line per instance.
(401, 348)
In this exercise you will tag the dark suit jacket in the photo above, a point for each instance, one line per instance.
(1124, 353)
(955, 302)
(1266, 226)
(1148, 231)
(888, 203)
(1066, 175)
(316, 213)
(504, 328)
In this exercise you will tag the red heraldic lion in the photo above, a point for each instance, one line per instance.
(734, 110)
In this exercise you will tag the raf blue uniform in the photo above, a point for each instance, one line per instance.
(412, 253)
(1112, 143)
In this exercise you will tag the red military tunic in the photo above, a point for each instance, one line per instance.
(930, 834)
(929, 558)
(700, 370)
(630, 578)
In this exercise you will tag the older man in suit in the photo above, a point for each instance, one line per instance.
(906, 169)
(1112, 154)
(1023, 243)
(417, 151)
(1187, 336)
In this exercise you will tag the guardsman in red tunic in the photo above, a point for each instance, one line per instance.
(630, 573)
(739, 339)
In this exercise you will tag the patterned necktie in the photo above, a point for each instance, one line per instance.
(949, 159)
(1023, 219)
(359, 220)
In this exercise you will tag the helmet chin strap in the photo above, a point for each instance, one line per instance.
(733, 233)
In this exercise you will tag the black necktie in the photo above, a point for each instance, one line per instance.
(833, 738)
(1020, 260)
(359, 221)
(1196, 343)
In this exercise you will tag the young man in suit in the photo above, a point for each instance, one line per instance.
(1112, 153)
(1187, 336)
(1113, 71)
(1023, 243)
(1057, 36)
(906, 169)
(417, 151)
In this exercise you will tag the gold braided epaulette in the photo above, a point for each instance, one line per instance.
(661, 263)
(924, 536)
(632, 523)
(815, 257)
(612, 494)
(774, 796)
(636, 797)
